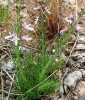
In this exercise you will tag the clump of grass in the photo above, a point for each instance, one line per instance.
(34, 71)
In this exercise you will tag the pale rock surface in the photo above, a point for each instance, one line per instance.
(60, 99)
(55, 97)
(80, 46)
(72, 1)
(83, 71)
(5, 98)
(83, 60)
(81, 40)
(80, 91)
(72, 79)
(83, 54)
(8, 66)
(61, 89)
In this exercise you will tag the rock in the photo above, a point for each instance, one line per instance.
(72, 1)
(81, 40)
(72, 79)
(80, 57)
(66, 89)
(77, 56)
(61, 89)
(5, 98)
(83, 60)
(80, 46)
(7, 82)
(55, 97)
(8, 66)
(80, 90)
(83, 71)
(83, 54)
(60, 99)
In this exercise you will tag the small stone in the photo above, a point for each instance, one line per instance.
(72, 79)
(81, 40)
(61, 89)
(55, 97)
(83, 60)
(66, 89)
(72, 1)
(83, 54)
(8, 66)
(60, 99)
(80, 47)
(83, 71)
(5, 98)
(80, 90)
(78, 56)
(7, 82)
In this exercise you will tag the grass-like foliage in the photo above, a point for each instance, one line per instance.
(35, 70)
(33, 74)
(4, 13)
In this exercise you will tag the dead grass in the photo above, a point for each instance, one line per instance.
(55, 21)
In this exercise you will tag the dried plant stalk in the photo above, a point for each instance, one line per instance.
(55, 21)
(76, 9)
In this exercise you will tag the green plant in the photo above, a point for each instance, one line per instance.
(35, 71)
(4, 13)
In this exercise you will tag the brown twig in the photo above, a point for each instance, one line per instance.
(71, 54)
(2, 84)
(8, 74)
(11, 86)
(76, 9)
